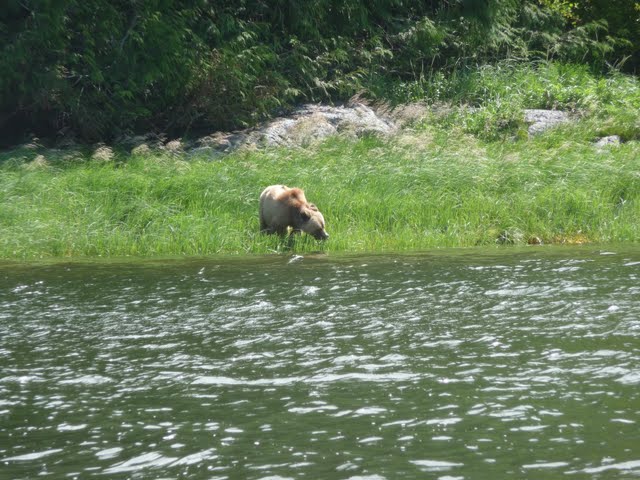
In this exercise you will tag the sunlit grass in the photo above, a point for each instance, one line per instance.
(453, 180)
(375, 195)
(489, 101)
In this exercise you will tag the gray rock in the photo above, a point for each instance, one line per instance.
(541, 120)
(611, 140)
(274, 134)
(222, 142)
(311, 123)
(357, 118)
(174, 146)
(306, 125)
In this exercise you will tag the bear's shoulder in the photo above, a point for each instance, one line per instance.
(293, 197)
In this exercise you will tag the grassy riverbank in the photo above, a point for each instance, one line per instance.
(459, 178)
(421, 190)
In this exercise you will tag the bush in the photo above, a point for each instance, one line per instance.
(100, 68)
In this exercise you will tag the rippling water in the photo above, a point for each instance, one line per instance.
(456, 364)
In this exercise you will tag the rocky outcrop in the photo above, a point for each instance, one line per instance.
(306, 125)
(309, 124)
(312, 123)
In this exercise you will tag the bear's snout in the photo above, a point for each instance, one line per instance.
(322, 235)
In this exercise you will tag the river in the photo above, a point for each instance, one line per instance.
(453, 364)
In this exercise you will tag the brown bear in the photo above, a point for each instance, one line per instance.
(282, 207)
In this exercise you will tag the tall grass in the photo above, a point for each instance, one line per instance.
(440, 184)
(430, 189)
(489, 100)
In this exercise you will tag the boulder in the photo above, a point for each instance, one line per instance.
(541, 120)
(306, 125)
(610, 141)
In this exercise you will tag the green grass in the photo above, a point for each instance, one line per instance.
(441, 184)
(488, 101)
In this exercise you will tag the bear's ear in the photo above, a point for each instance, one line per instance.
(304, 215)
(313, 207)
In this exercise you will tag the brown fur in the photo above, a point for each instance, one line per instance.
(282, 207)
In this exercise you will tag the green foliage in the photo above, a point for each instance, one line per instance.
(555, 188)
(100, 68)
(617, 22)
(91, 65)
(489, 101)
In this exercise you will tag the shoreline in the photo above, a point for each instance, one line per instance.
(427, 189)
(467, 174)
(479, 253)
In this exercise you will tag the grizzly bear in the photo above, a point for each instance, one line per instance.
(282, 207)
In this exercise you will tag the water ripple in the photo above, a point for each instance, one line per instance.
(453, 365)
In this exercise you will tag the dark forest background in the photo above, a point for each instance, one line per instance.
(95, 69)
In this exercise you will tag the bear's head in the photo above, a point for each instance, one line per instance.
(313, 222)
